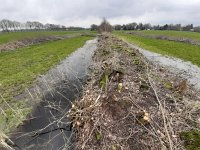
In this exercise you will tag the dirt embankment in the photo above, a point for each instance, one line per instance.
(131, 104)
(169, 38)
(31, 41)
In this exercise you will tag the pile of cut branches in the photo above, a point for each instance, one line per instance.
(130, 103)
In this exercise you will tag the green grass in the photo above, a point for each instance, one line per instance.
(19, 69)
(192, 139)
(13, 36)
(185, 34)
(180, 50)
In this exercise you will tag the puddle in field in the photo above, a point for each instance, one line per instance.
(48, 127)
(185, 69)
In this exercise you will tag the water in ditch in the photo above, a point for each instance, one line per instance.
(48, 127)
(186, 70)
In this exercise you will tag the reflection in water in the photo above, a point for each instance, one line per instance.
(48, 127)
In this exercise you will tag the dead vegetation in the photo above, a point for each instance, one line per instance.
(130, 103)
(105, 26)
(5, 142)
(30, 41)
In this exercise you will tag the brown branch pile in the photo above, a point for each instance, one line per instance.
(132, 104)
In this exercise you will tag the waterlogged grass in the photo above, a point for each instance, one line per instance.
(182, 34)
(183, 51)
(13, 36)
(19, 69)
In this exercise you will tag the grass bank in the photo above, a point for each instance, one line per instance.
(19, 69)
(183, 51)
(15, 36)
(178, 34)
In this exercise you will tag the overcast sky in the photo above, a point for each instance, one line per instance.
(86, 12)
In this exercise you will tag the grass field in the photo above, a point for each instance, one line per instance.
(18, 70)
(13, 36)
(182, 34)
(180, 50)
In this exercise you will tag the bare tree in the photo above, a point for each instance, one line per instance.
(197, 29)
(16, 25)
(6, 24)
(1, 25)
(29, 25)
(37, 25)
(117, 27)
(94, 27)
(105, 26)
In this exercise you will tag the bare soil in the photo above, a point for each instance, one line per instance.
(130, 103)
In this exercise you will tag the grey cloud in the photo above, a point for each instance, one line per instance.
(86, 12)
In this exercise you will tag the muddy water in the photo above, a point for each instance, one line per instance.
(48, 127)
(185, 69)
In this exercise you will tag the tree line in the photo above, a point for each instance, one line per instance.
(13, 26)
(148, 26)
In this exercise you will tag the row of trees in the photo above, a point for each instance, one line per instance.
(8, 25)
(148, 26)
